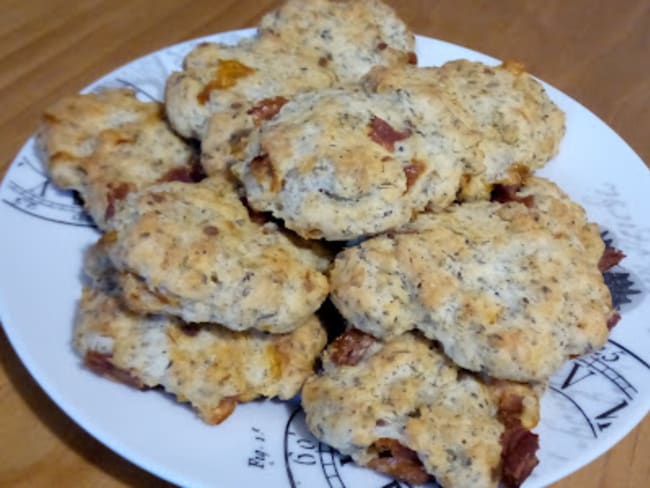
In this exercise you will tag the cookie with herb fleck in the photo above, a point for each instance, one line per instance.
(342, 163)
(225, 91)
(520, 126)
(194, 251)
(107, 144)
(209, 366)
(416, 416)
(510, 289)
(349, 36)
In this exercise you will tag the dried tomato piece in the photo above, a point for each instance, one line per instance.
(192, 173)
(610, 258)
(102, 364)
(383, 134)
(519, 445)
(613, 320)
(114, 194)
(398, 460)
(266, 109)
(518, 458)
(411, 58)
(349, 348)
(413, 172)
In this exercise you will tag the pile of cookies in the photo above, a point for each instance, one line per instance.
(331, 167)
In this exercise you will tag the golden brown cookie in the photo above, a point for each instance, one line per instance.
(403, 408)
(343, 163)
(508, 290)
(209, 366)
(349, 36)
(520, 126)
(238, 86)
(193, 251)
(107, 144)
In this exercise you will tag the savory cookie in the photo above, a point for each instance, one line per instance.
(194, 252)
(349, 36)
(208, 366)
(107, 144)
(413, 414)
(521, 128)
(555, 210)
(237, 86)
(508, 290)
(342, 163)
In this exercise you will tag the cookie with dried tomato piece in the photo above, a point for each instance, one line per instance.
(194, 251)
(349, 36)
(107, 144)
(209, 366)
(232, 89)
(521, 126)
(414, 415)
(342, 163)
(508, 290)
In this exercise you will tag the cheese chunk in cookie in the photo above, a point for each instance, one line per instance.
(238, 86)
(350, 36)
(194, 252)
(210, 367)
(107, 144)
(403, 408)
(507, 290)
(521, 128)
(343, 163)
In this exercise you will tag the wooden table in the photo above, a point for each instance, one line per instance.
(596, 51)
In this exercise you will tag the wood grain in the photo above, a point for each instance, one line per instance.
(594, 50)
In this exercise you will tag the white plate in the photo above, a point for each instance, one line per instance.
(592, 403)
